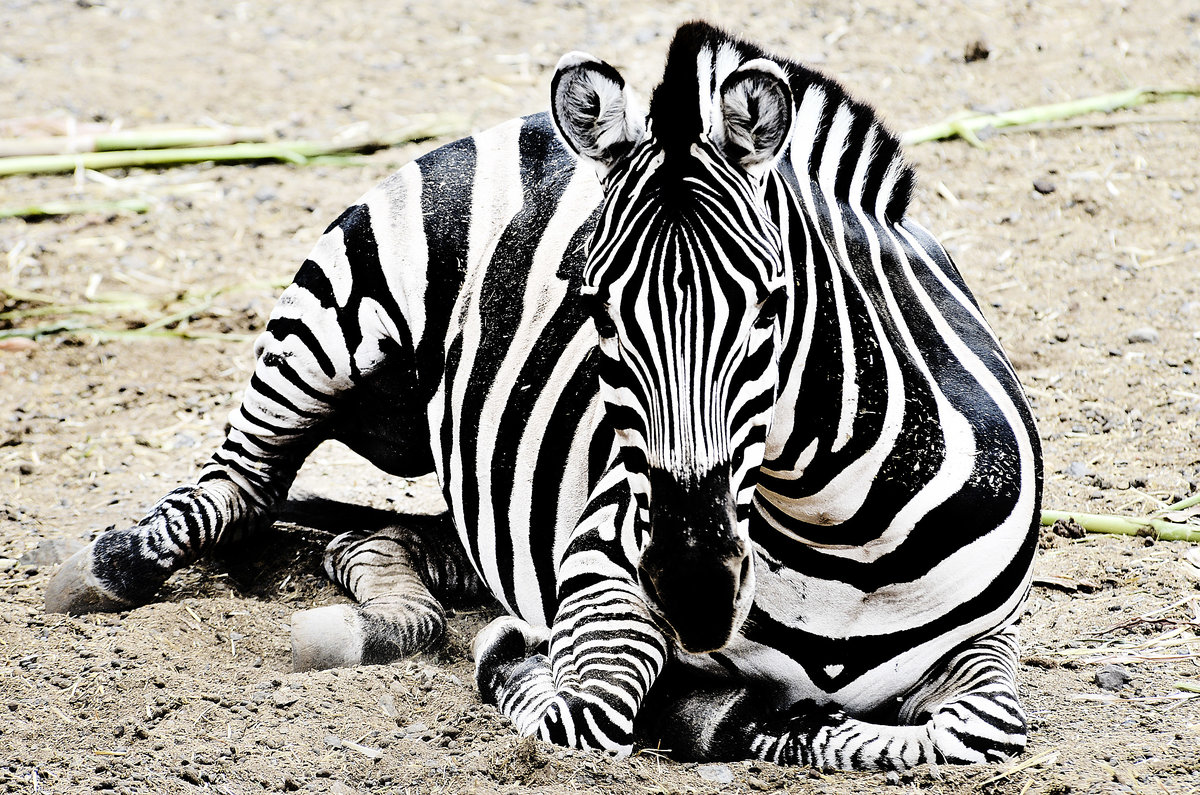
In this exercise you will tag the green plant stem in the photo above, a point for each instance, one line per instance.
(123, 334)
(968, 126)
(53, 208)
(146, 138)
(299, 152)
(1183, 504)
(193, 303)
(1126, 526)
(49, 310)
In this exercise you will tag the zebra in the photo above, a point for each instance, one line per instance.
(718, 426)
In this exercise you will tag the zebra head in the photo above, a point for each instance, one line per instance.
(689, 291)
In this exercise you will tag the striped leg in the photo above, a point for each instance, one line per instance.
(124, 568)
(968, 713)
(270, 435)
(314, 353)
(604, 649)
(972, 708)
(604, 654)
(393, 574)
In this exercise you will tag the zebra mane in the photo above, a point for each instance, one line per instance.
(680, 107)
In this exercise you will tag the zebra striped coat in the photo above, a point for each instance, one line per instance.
(708, 411)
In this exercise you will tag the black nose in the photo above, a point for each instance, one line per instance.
(695, 568)
(696, 594)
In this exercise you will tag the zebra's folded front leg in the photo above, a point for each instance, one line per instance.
(971, 706)
(125, 568)
(392, 574)
(604, 654)
(734, 723)
(965, 712)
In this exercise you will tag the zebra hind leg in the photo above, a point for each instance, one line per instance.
(124, 568)
(393, 574)
(967, 713)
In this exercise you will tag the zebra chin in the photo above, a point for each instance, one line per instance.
(696, 571)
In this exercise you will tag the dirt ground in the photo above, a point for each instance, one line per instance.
(1091, 282)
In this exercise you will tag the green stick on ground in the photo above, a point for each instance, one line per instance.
(967, 126)
(1160, 529)
(52, 208)
(300, 152)
(147, 138)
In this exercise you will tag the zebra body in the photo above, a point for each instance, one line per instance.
(703, 404)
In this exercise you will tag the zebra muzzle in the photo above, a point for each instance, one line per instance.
(696, 572)
(700, 598)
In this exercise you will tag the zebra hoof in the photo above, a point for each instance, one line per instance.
(508, 636)
(500, 648)
(74, 588)
(326, 637)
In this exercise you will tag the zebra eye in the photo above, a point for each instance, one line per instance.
(770, 307)
(599, 310)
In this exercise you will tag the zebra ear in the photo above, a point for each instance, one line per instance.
(756, 115)
(590, 109)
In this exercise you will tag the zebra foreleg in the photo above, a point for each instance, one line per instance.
(604, 654)
(304, 375)
(968, 712)
(393, 574)
(971, 705)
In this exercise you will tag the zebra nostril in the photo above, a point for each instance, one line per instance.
(743, 575)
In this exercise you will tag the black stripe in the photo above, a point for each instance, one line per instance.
(544, 178)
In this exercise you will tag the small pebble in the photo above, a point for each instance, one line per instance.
(1077, 469)
(718, 774)
(414, 729)
(1147, 334)
(1112, 677)
(1044, 186)
(388, 704)
(977, 50)
(285, 699)
(51, 551)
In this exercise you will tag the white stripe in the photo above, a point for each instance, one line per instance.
(827, 173)
(399, 226)
(496, 197)
(330, 255)
(544, 293)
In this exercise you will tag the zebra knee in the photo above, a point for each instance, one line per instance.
(375, 563)
(374, 632)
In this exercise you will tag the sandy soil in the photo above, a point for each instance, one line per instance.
(195, 692)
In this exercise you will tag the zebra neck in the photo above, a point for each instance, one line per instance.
(831, 440)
